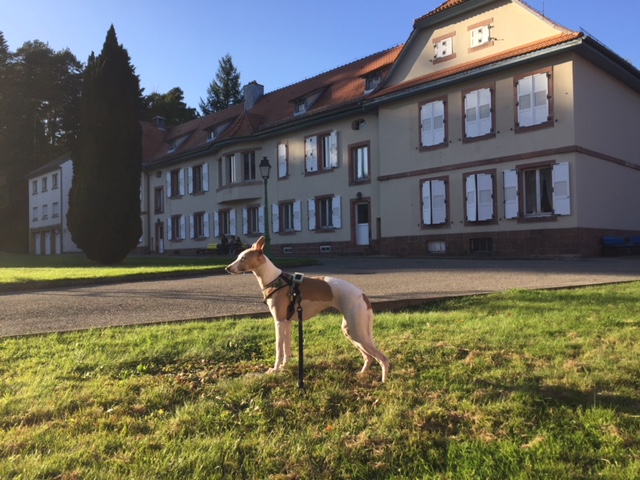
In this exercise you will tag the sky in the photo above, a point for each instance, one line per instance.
(274, 42)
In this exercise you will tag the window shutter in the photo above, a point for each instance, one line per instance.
(282, 160)
(561, 190)
(311, 154)
(168, 184)
(207, 231)
(192, 227)
(472, 207)
(261, 212)
(297, 216)
(275, 218)
(181, 181)
(426, 127)
(205, 177)
(311, 206)
(426, 203)
(438, 122)
(484, 111)
(190, 180)
(333, 149)
(233, 230)
(438, 202)
(540, 98)
(336, 211)
(484, 183)
(525, 102)
(169, 229)
(216, 224)
(510, 190)
(471, 114)
(245, 222)
(183, 227)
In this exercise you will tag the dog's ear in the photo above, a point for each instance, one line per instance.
(259, 245)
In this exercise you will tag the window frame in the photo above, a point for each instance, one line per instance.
(445, 222)
(158, 200)
(494, 201)
(355, 161)
(445, 141)
(437, 42)
(321, 153)
(489, 42)
(550, 121)
(492, 108)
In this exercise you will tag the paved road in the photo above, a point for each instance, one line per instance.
(389, 282)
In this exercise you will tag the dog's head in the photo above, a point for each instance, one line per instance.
(250, 259)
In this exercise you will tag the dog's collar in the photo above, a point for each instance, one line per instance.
(281, 281)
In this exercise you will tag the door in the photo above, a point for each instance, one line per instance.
(362, 224)
(159, 237)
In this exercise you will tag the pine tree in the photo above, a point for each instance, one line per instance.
(224, 91)
(104, 201)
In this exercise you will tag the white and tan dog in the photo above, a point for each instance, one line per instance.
(318, 294)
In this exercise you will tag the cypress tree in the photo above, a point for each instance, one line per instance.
(104, 201)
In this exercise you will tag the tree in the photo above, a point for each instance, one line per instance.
(104, 201)
(225, 90)
(170, 106)
(39, 96)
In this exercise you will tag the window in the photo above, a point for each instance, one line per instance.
(324, 213)
(44, 184)
(176, 227)
(45, 212)
(34, 187)
(225, 222)
(359, 164)
(211, 135)
(321, 152)
(433, 124)
(231, 169)
(285, 217)
(158, 200)
(478, 117)
(199, 178)
(480, 34)
(34, 214)
(535, 191)
(54, 181)
(199, 225)
(253, 220)
(534, 100)
(479, 197)
(434, 201)
(175, 183)
(300, 106)
(55, 210)
(443, 47)
(283, 160)
(249, 166)
(372, 81)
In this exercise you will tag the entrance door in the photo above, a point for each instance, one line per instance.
(160, 237)
(362, 224)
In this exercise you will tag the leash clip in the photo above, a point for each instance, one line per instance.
(298, 278)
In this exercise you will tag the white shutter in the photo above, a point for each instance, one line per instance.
(192, 227)
(510, 191)
(261, 212)
(216, 224)
(485, 196)
(484, 111)
(233, 229)
(168, 184)
(432, 123)
(333, 149)
(472, 206)
(336, 212)
(275, 218)
(181, 181)
(207, 231)
(297, 216)
(540, 98)
(169, 229)
(438, 122)
(183, 227)
(282, 160)
(190, 180)
(426, 124)
(311, 206)
(438, 202)
(471, 114)
(525, 102)
(561, 189)
(426, 203)
(311, 154)
(245, 221)
(205, 177)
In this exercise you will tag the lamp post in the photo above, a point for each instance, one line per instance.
(265, 171)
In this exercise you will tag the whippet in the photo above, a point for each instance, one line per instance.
(318, 294)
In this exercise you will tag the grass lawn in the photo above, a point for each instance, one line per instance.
(520, 385)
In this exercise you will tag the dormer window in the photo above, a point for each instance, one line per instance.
(372, 81)
(303, 104)
(211, 134)
(175, 143)
(443, 47)
(300, 106)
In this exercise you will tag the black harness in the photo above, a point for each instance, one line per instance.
(293, 282)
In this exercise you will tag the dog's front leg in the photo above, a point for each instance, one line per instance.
(283, 345)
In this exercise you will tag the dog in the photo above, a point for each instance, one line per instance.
(318, 294)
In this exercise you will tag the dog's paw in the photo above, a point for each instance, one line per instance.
(272, 370)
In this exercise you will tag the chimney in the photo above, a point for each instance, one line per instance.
(159, 122)
(252, 93)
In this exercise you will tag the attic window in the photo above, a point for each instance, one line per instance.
(443, 47)
(175, 143)
(300, 106)
(372, 81)
(212, 133)
(480, 34)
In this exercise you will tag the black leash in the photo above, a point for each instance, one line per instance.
(297, 297)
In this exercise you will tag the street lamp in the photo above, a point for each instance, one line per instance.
(265, 171)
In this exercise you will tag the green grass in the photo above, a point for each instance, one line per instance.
(520, 385)
(25, 269)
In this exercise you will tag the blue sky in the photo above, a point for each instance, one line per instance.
(274, 42)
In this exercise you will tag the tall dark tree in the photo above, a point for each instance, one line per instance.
(39, 96)
(224, 91)
(104, 201)
(170, 106)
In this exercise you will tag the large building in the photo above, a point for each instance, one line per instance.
(491, 131)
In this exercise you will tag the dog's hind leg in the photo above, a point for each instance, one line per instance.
(367, 348)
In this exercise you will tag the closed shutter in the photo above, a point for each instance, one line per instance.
(561, 189)
(205, 177)
(472, 207)
(510, 191)
(183, 227)
(282, 160)
(207, 231)
(484, 183)
(336, 211)
(233, 229)
(181, 181)
(169, 229)
(245, 221)
(432, 123)
(438, 202)
(333, 149)
(275, 218)
(297, 216)
(190, 180)
(540, 98)
(261, 212)
(311, 207)
(426, 203)
(168, 184)
(216, 224)
(192, 227)
(478, 113)
(311, 154)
